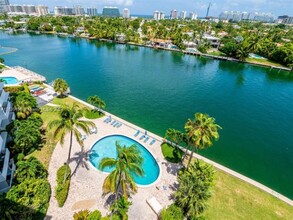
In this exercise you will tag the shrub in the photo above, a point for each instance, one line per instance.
(81, 215)
(62, 189)
(30, 169)
(31, 198)
(120, 208)
(95, 215)
(173, 212)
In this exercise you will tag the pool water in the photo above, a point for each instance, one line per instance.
(9, 80)
(106, 147)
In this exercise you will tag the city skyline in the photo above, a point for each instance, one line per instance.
(277, 7)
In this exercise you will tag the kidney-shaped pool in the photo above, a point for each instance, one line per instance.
(106, 147)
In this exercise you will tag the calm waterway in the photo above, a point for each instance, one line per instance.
(159, 89)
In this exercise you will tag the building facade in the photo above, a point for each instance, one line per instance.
(7, 166)
(183, 15)
(3, 5)
(159, 15)
(126, 13)
(173, 14)
(111, 12)
(192, 16)
(252, 16)
(27, 10)
(92, 11)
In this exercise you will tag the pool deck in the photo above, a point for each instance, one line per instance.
(86, 182)
(21, 74)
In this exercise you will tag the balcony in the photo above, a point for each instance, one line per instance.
(7, 168)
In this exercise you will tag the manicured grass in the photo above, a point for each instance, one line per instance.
(236, 199)
(217, 53)
(93, 114)
(171, 153)
(66, 101)
(50, 113)
(264, 62)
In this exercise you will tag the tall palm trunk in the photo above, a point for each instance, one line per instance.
(190, 157)
(68, 158)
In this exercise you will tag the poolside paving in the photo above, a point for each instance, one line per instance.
(86, 182)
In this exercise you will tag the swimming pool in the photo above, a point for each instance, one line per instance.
(9, 80)
(106, 147)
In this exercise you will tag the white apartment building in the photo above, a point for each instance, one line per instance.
(7, 166)
(126, 13)
(92, 11)
(183, 14)
(159, 15)
(35, 10)
(192, 16)
(3, 5)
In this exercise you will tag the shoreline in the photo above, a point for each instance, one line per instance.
(215, 164)
(168, 49)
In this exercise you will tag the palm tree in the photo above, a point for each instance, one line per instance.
(60, 86)
(96, 101)
(194, 189)
(174, 135)
(69, 122)
(120, 180)
(200, 132)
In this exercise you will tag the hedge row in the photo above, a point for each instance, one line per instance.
(61, 191)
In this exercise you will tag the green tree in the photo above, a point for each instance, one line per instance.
(195, 188)
(60, 86)
(120, 208)
(120, 180)
(2, 60)
(69, 123)
(24, 103)
(173, 212)
(200, 132)
(30, 169)
(96, 101)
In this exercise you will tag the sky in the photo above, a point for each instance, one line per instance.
(146, 7)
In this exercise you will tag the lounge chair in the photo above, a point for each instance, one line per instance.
(106, 119)
(83, 137)
(115, 125)
(120, 124)
(146, 140)
(142, 137)
(137, 133)
(93, 131)
(155, 205)
(113, 122)
(152, 142)
(109, 120)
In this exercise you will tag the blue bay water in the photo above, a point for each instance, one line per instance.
(159, 89)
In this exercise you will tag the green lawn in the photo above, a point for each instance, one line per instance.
(236, 199)
(93, 114)
(171, 153)
(49, 113)
(264, 62)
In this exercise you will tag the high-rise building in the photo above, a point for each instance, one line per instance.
(253, 16)
(3, 5)
(92, 11)
(183, 15)
(159, 15)
(78, 10)
(192, 16)
(173, 14)
(60, 10)
(6, 162)
(126, 13)
(111, 12)
(42, 10)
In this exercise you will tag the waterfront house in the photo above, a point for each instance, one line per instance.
(214, 41)
(7, 166)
